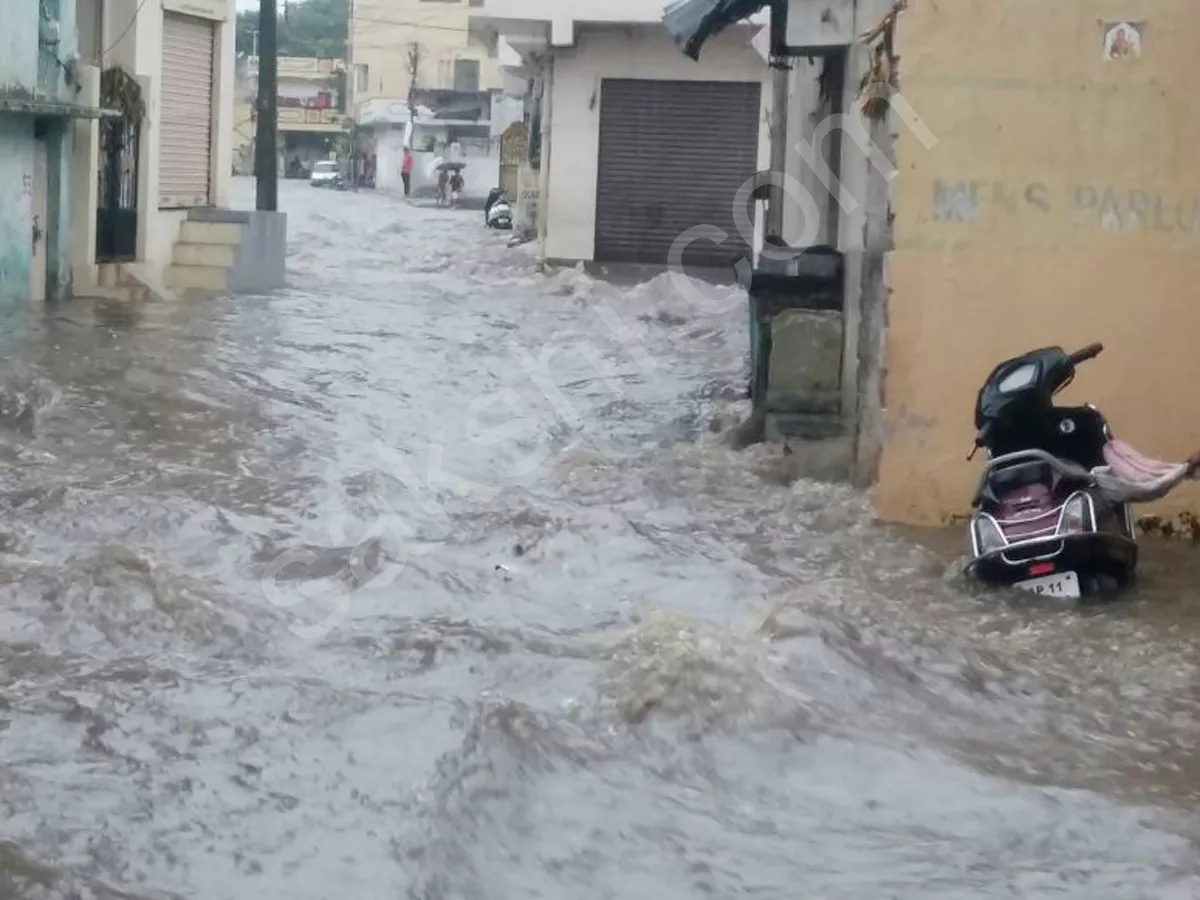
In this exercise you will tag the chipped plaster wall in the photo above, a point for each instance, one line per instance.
(28, 66)
(60, 202)
(16, 205)
(132, 32)
(18, 74)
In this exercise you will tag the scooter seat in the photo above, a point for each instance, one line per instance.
(1020, 475)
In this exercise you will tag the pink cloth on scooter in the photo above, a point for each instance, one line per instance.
(1131, 477)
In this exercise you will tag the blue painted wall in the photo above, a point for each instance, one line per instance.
(61, 151)
(51, 74)
(19, 50)
(16, 200)
(30, 69)
(60, 166)
(19, 45)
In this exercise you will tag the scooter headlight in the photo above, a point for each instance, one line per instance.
(988, 536)
(1075, 518)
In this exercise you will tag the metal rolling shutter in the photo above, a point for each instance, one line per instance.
(186, 112)
(673, 155)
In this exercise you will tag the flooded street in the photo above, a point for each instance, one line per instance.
(432, 578)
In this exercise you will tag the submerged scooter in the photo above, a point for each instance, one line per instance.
(496, 211)
(1051, 514)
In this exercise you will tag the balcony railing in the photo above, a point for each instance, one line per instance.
(300, 67)
(300, 119)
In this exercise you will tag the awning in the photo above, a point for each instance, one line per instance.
(692, 22)
(25, 106)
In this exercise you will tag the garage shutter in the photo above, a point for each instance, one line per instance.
(186, 112)
(673, 155)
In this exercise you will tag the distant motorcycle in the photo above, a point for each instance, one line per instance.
(497, 213)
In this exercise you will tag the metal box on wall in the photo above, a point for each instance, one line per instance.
(824, 23)
(797, 339)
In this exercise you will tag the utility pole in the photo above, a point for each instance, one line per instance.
(267, 133)
(414, 70)
(348, 98)
(543, 200)
(780, 97)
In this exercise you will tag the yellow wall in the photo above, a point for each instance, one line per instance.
(383, 30)
(1023, 103)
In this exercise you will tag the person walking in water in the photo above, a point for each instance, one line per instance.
(406, 171)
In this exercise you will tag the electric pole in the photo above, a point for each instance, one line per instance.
(414, 70)
(266, 136)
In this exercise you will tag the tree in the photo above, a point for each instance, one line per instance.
(306, 28)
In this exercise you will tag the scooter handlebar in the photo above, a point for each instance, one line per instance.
(1091, 351)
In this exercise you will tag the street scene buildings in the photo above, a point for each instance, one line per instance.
(651, 145)
(119, 119)
(143, 124)
(312, 119)
(421, 79)
(357, 542)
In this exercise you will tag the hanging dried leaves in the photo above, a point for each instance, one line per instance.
(120, 91)
(883, 74)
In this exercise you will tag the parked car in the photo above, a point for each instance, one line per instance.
(325, 173)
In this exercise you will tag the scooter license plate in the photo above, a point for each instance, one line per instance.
(1064, 584)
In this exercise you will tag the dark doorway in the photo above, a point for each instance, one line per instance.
(117, 194)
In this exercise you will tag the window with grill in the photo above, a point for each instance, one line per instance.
(466, 75)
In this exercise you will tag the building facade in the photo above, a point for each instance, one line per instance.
(1060, 204)
(447, 125)
(311, 113)
(391, 41)
(994, 198)
(815, 299)
(651, 144)
(169, 67)
(42, 95)
(420, 78)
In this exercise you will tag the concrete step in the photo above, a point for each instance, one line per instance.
(218, 255)
(109, 275)
(201, 278)
(228, 233)
(112, 294)
(114, 282)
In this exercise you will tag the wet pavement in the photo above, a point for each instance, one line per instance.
(432, 578)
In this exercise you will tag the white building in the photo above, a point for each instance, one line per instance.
(643, 143)
(819, 307)
(447, 124)
(142, 185)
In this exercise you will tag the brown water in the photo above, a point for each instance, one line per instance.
(621, 662)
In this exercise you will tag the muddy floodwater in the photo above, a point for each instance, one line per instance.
(432, 578)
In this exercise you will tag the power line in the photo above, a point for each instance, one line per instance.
(350, 45)
(128, 26)
(371, 20)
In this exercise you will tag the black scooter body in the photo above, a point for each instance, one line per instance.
(1039, 520)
